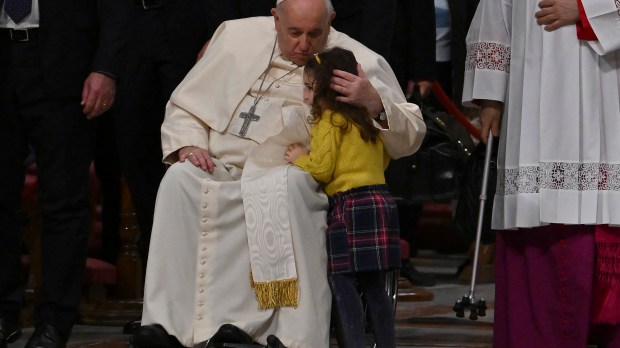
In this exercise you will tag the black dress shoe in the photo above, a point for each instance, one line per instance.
(274, 342)
(9, 332)
(228, 333)
(132, 327)
(46, 336)
(153, 336)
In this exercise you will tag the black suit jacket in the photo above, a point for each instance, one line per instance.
(219, 11)
(78, 37)
(413, 44)
(370, 22)
(461, 14)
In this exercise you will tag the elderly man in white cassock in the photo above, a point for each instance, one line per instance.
(238, 248)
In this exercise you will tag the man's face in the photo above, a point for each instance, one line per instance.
(303, 27)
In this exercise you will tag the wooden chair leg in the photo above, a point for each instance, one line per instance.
(130, 282)
(126, 306)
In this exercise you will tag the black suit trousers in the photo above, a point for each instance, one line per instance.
(164, 43)
(62, 139)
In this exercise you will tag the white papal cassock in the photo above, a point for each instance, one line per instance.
(198, 272)
(559, 157)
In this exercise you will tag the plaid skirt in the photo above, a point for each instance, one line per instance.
(362, 231)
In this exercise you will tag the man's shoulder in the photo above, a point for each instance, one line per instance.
(237, 36)
(249, 24)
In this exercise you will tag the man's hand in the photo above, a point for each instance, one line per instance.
(554, 14)
(294, 151)
(356, 90)
(197, 156)
(490, 118)
(425, 88)
(98, 94)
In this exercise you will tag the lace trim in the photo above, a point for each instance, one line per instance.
(488, 55)
(618, 6)
(559, 176)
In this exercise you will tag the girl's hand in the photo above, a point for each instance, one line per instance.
(294, 151)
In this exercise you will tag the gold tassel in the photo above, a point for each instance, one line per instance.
(276, 293)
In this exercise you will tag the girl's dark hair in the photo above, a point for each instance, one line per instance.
(321, 67)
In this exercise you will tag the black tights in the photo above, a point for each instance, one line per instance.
(348, 310)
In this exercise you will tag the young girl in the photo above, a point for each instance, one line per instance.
(362, 228)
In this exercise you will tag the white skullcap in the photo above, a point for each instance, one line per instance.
(279, 2)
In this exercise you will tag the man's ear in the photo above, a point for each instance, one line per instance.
(331, 17)
(276, 18)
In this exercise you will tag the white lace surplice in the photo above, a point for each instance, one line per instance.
(559, 159)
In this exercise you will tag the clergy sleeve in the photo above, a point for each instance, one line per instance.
(487, 64)
(584, 29)
(180, 129)
(324, 143)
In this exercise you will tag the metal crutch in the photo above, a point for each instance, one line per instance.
(477, 308)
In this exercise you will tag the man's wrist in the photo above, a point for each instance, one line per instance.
(108, 74)
(381, 117)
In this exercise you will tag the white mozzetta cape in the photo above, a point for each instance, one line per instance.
(238, 54)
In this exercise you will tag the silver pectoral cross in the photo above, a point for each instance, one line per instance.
(247, 118)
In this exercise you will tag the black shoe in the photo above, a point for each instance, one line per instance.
(153, 336)
(274, 342)
(415, 277)
(46, 336)
(9, 332)
(132, 327)
(228, 333)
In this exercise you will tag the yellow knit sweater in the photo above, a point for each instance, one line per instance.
(342, 160)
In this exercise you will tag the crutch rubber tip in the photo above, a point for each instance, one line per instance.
(473, 314)
(459, 309)
(482, 308)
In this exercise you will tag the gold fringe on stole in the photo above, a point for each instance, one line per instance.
(276, 293)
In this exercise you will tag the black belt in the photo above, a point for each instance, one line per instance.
(149, 4)
(18, 35)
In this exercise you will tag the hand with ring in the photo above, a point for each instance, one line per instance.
(197, 156)
(98, 94)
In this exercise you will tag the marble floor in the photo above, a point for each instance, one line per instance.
(422, 321)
